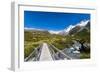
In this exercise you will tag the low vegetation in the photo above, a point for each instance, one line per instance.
(34, 38)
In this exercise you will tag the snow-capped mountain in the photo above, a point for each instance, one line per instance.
(68, 30)
(74, 28)
(61, 32)
(79, 27)
(82, 23)
(54, 32)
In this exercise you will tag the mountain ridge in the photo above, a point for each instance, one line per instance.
(71, 29)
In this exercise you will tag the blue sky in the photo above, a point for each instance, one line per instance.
(52, 20)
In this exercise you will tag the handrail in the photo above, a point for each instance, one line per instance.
(37, 52)
(27, 58)
(52, 52)
(61, 52)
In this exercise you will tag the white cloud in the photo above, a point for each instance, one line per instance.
(26, 28)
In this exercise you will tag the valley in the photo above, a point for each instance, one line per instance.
(72, 44)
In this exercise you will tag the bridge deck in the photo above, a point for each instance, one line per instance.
(45, 53)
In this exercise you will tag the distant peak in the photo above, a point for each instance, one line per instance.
(69, 28)
(82, 23)
(64, 31)
(54, 32)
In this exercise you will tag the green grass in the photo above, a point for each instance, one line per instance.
(62, 43)
(34, 38)
(29, 47)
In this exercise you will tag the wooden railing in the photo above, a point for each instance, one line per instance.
(35, 54)
(60, 52)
